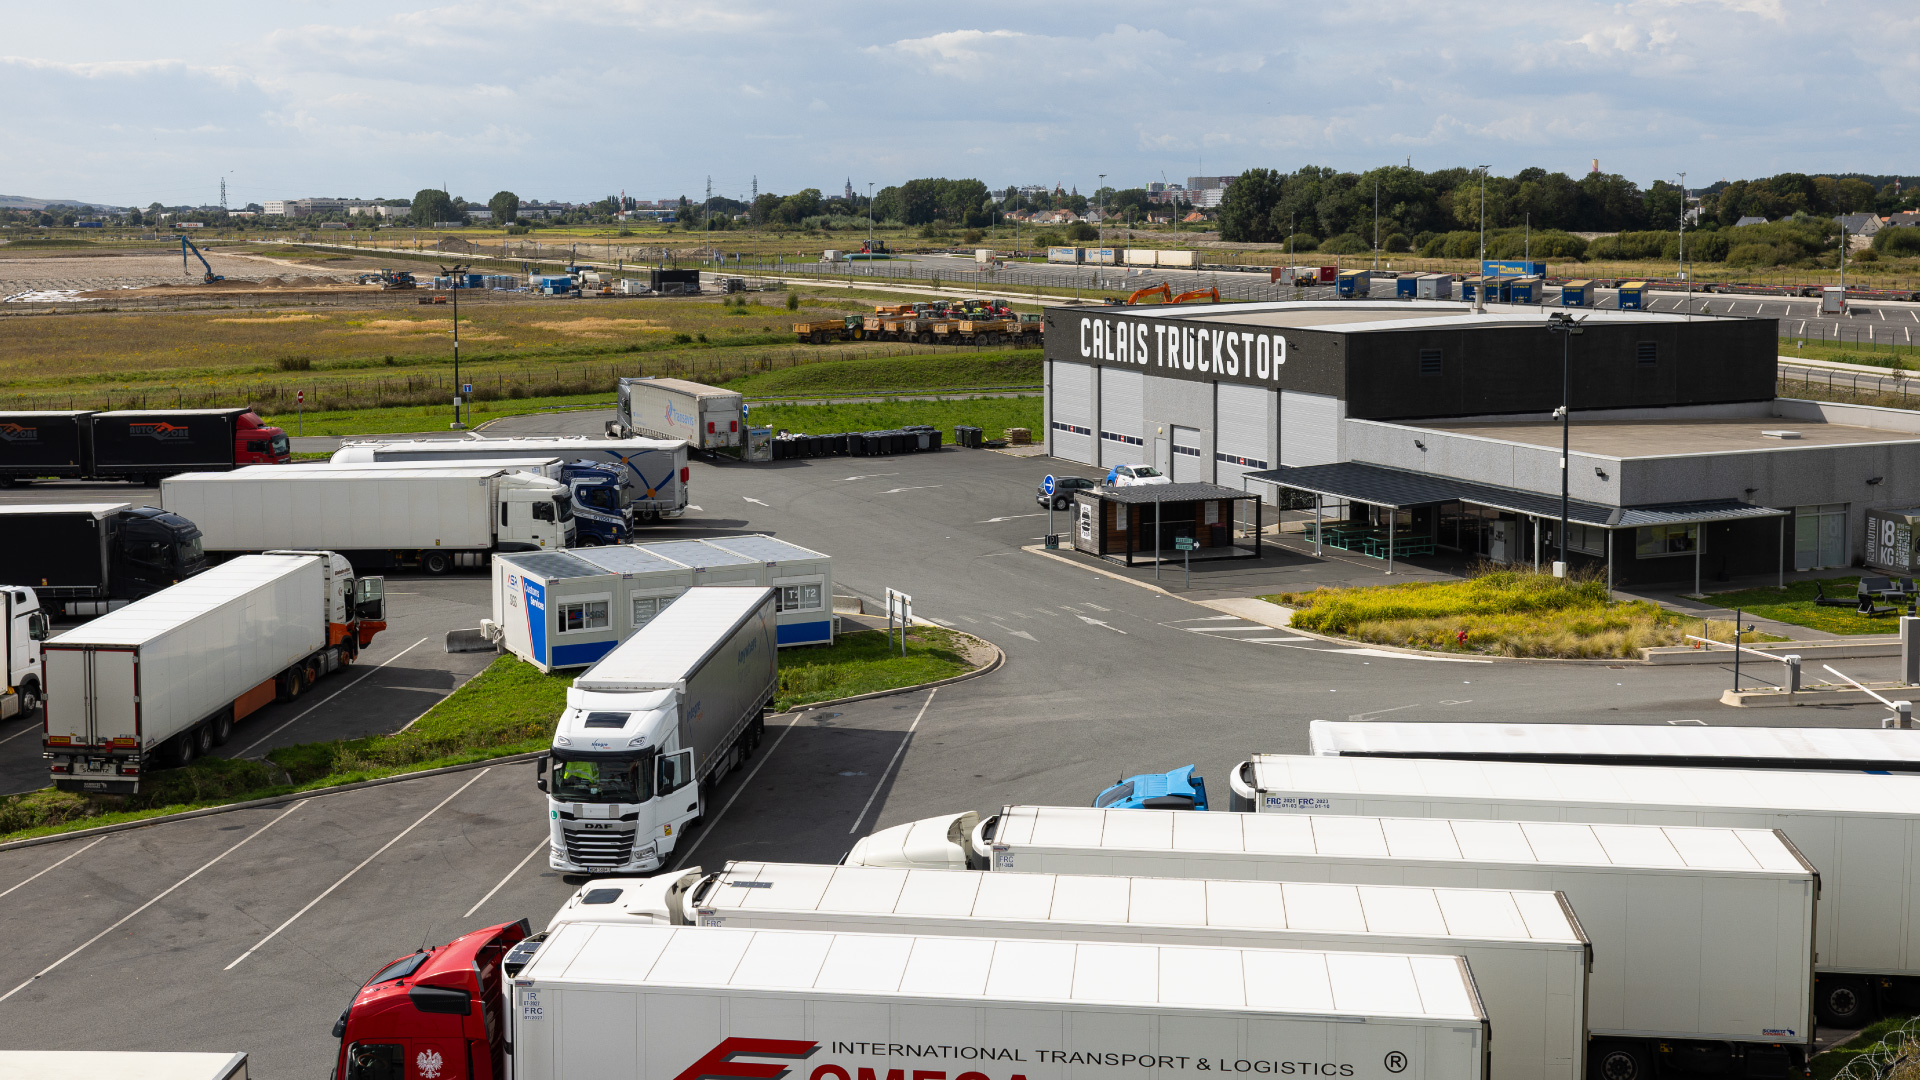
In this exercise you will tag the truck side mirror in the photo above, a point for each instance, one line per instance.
(39, 628)
(540, 772)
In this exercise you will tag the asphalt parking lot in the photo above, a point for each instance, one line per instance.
(249, 930)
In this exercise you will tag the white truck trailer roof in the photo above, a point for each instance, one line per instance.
(1423, 990)
(1842, 822)
(675, 642)
(1622, 744)
(121, 1065)
(1730, 958)
(1525, 949)
(164, 612)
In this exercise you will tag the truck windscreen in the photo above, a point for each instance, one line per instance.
(565, 505)
(189, 552)
(282, 446)
(603, 778)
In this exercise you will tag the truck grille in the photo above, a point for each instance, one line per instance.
(599, 849)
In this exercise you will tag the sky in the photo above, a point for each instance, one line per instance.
(576, 101)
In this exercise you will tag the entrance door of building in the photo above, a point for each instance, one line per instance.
(1189, 465)
(1820, 536)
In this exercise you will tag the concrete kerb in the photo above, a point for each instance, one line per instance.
(991, 666)
(1284, 622)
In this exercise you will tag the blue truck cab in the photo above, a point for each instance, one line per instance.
(602, 501)
(1179, 789)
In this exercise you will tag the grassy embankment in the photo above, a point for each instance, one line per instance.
(1500, 612)
(1795, 604)
(1886, 1048)
(510, 708)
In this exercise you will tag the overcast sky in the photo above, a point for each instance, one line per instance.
(131, 103)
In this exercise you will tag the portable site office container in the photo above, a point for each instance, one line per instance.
(1436, 287)
(1632, 295)
(660, 1002)
(568, 609)
(1860, 829)
(1622, 744)
(1354, 283)
(1576, 294)
(1524, 290)
(1406, 287)
(1699, 934)
(1526, 951)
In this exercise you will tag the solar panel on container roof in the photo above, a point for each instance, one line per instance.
(764, 548)
(552, 564)
(698, 553)
(632, 559)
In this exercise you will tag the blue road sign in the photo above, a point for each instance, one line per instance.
(1047, 485)
(466, 388)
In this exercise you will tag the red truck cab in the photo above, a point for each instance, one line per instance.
(254, 443)
(438, 1014)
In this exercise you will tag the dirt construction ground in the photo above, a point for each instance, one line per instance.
(30, 278)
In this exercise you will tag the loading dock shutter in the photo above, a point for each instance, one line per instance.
(1310, 428)
(1070, 411)
(1123, 410)
(1244, 433)
(1189, 456)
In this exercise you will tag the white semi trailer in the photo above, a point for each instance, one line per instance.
(704, 416)
(1850, 749)
(657, 467)
(1526, 951)
(164, 679)
(650, 729)
(435, 519)
(1702, 937)
(665, 1003)
(1859, 829)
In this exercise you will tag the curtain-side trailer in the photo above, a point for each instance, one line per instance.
(1526, 951)
(706, 417)
(1851, 749)
(682, 1003)
(658, 467)
(1702, 937)
(1860, 829)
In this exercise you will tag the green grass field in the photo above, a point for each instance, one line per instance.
(1795, 604)
(993, 415)
(884, 375)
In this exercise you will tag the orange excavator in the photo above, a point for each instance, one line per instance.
(1165, 293)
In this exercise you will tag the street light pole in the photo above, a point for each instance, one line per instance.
(1681, 230)
(1562, 323)
(1483, 218)
(456, 272)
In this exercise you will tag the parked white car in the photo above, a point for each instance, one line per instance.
(1136, 476)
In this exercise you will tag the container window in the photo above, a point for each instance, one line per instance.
(646, 608)
(582, 616)
(1647, 353)
(796, 598)
(1429, 361)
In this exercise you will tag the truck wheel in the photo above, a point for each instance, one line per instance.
(29, 697)
(202, 736)
(436, 562)
(1618, 1061)
(592, 541)
(1843, 1003)
(222, 728)
(183, 750)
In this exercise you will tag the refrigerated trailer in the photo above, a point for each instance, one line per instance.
(1860, 829)
(649, 730)
(163, 680)
(1702, 937)
(436, 519)
(89, 558)
(1526, 951)
(685, 1003)
(1621, 744)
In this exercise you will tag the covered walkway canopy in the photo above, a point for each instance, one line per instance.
(1396, 489)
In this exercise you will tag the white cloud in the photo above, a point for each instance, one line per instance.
(384, 97)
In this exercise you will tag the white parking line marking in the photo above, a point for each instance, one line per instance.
(993, 521)
(23, 731)
(1409, 656)
(1271, 640)
(707, 827)
(363, 864)
(331, 696)
(916, 487)
(123, 919)
(1220, 629)
(888, 771)
(868, 476)
(55, 866)
(544, 843)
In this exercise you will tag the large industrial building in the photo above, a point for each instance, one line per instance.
(1437, 424)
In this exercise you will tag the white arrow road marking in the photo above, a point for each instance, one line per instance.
(1018, 633)
(1008, 517)
(700, 508)
(755, 501)
(916, 487)
(1097, 622)
(868, 476)
(1097, 607)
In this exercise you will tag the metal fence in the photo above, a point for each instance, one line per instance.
(1796, 381)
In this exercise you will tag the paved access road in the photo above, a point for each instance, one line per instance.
(250, 930)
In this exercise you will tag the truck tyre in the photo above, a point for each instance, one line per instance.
(183, 750)
(1618, 1061)
(202, 737)
(29, 697)
(1843, 1003)
(222, 726)
(592, 541)
(436, 562)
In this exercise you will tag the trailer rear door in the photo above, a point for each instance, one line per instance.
(92, 697)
